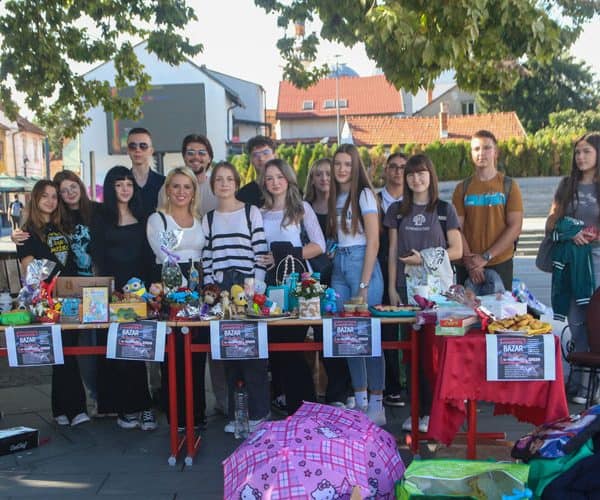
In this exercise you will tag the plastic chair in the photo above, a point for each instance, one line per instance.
(590, 361)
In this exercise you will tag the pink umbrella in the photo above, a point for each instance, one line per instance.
(314, 457)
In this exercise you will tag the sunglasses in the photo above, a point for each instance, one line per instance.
(138, 145)
(194, 152)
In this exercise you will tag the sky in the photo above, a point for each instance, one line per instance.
(240, 39)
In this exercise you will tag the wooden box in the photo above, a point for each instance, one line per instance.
(72, 286)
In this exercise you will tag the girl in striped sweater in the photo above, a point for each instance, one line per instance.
(235, 249)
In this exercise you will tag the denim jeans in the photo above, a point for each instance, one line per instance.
(347, 271)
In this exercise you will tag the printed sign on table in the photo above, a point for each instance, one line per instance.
(34, 345)
(520, 357)
(348, 337)
(238, 340)
(139, 341)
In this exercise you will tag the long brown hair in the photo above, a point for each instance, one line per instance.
(294, 207)
(566, 194)
(34, 221)
(419, 163)
(359, 180)
(85, 204)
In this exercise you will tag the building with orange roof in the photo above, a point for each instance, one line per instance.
(309, 115)
(374, 130)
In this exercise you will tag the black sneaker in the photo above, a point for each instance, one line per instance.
(393, 400)
(128, 420)
(148, 421)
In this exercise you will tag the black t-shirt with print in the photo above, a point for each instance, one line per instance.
(53, 246)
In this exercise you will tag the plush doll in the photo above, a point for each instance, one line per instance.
(135, 286)
(210, 294)
(225, 304)
(239, 300)
(329, 304)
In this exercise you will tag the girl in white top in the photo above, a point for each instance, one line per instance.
(354, 222)
(177, 213)
(284, 213)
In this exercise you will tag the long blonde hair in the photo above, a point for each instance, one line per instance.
(310, 193)
(34, 221)
(163, 200)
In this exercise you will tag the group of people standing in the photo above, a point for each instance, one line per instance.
(239, 232)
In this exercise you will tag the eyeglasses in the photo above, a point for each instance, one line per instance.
(194, 152)
(394, 166)
(263, 152)
(138, 145)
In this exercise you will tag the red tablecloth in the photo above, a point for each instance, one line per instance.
(462, 375)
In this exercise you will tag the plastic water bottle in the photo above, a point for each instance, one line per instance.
(242, 425)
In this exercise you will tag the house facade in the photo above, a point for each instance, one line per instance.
(22, 148)
(311, 114)
(218, 100)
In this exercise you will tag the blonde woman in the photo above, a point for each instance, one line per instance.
(177, 214)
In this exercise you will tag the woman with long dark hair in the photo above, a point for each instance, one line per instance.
(120, 249)
(414, 227)
(576, 207)
(47, 240)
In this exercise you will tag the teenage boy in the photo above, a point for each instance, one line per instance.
(490, 209)
(198, 155)
(391, 192)
(261, 149)
(140, 150)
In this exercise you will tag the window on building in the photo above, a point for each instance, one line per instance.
(343, 103)
(1, 150)
(37, 145)
(468, 108)
(308, 105)
(329, 103)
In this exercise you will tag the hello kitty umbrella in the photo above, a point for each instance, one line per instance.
(314, 458)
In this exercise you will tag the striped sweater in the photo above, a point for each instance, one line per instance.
(233, 241)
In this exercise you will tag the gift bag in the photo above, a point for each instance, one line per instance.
(287, 274)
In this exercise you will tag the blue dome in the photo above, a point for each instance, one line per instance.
(343, 70)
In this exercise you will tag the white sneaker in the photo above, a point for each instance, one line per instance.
(350, 403)
(578, 400)
(62, 420)
(423, 424)
(337, 404)
(80, 418)
(128, 420)
(377, 416)
(230, 427)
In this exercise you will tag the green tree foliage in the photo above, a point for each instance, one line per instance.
(413, 42)
(302, 164)
(41, 39)
(571, 122)
(547, 88)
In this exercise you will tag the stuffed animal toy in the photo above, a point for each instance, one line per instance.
(136, 286)
(210, 294)
(239, 300)
(225, 304)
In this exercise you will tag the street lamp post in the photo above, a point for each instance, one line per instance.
(337, 97)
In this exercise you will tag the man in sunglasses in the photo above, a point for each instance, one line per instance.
(261, 149)
(197, 154)
(140, 150)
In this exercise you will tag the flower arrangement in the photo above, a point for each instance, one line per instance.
(308, 287)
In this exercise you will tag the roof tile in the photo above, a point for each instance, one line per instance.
(371, 95)
(373, 130)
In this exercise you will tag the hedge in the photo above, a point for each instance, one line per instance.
(533, 156)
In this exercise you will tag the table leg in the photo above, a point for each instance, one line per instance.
(175, 445)
(472, 429)
(193, 443)
(414, 389)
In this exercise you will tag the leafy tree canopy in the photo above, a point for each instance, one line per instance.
(571, 122)
(547, 88)
(41, 39)
(414, 41)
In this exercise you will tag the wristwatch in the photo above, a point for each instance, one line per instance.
(362, 285)
(486, 256)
